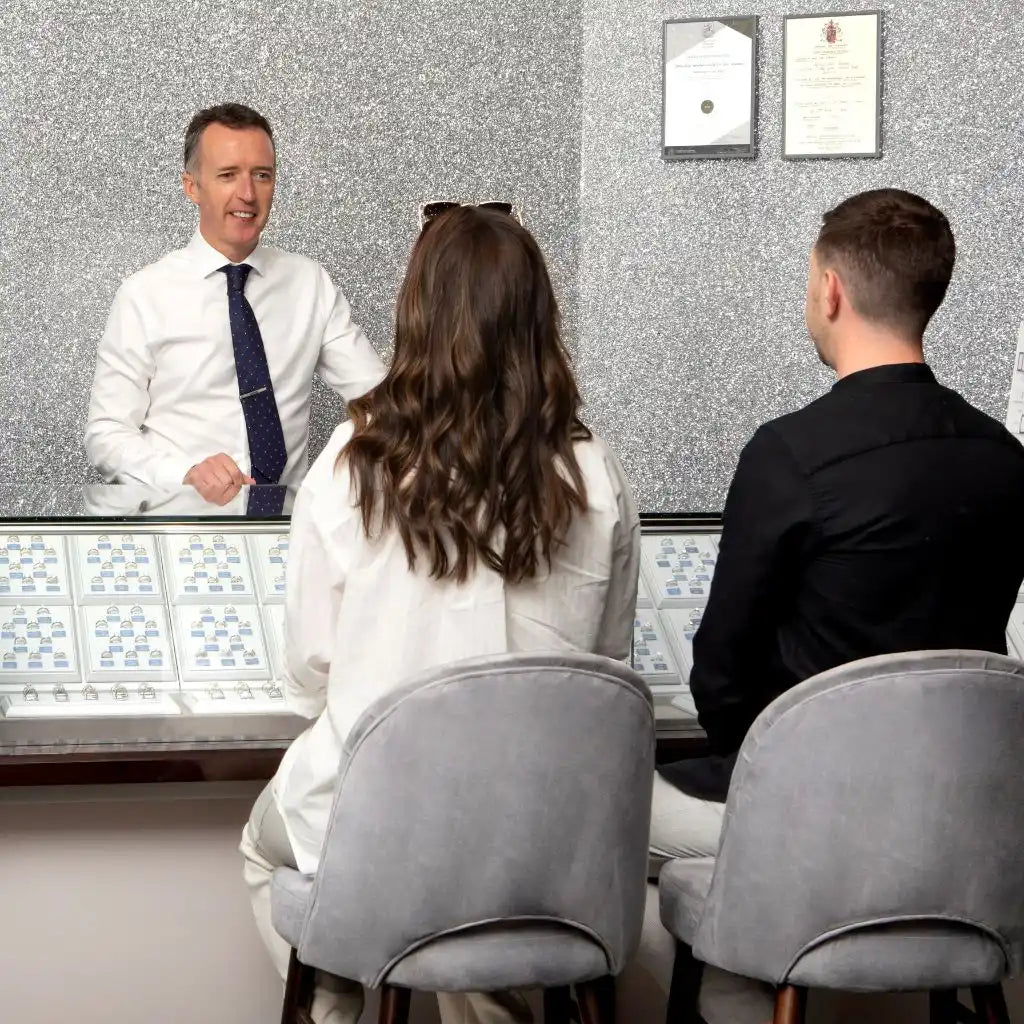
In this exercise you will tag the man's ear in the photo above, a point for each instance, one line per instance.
(191, 186)
(833, 294)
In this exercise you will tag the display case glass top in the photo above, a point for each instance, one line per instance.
(134, 622)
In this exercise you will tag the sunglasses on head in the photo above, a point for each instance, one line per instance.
(428, 211)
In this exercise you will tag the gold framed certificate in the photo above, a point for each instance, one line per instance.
(709, 95)
(832, 86)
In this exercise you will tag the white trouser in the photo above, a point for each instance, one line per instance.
(265, 847)
(685, 826)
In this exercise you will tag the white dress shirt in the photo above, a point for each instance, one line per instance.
(165, 394)
(359, 623)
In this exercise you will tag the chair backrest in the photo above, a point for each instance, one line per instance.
(511, 788)
(887, 791)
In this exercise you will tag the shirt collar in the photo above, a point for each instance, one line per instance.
(208, 260)
(891, 373)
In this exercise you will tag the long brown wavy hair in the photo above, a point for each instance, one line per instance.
(466, 446)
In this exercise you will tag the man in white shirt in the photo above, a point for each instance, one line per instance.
(204, 373)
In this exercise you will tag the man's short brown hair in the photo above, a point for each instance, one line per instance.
(231, 115)
(894, 252)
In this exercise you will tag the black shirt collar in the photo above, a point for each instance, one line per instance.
(891, 373)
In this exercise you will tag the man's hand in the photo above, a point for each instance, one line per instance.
(217, 479)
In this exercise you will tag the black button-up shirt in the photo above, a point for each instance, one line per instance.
(886, 516)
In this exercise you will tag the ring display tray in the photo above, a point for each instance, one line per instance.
(220, 643)
(37, 643)
(678, 569)
(204, 567)
(127, 643)
(652, 658)
(269, 554)
(118, 566)
(90, 702)
(681, 624)
(236, 699)
(33, 568)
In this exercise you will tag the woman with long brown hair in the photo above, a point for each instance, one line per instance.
(463, 510)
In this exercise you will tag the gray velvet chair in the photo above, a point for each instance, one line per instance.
(873, 841)
(489, 831)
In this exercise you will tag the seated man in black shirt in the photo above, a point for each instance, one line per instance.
(847, 523)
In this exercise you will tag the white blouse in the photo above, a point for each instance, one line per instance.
(359, 623)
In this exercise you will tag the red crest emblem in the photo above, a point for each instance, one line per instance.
(831, 33)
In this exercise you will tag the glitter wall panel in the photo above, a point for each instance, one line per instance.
(692, 273)
(376, 104)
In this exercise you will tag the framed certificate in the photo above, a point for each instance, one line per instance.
(832, 86)
(709, 90)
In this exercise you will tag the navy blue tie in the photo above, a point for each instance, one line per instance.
(267, 451)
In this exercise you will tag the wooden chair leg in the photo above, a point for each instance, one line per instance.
(298, 991)
(597, 1000)
(394, 1005)
(990, 1004)
(557, 1005)
(684, 995)
(790, 1004)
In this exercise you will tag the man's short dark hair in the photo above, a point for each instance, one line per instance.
(894, 252)
(231, 115)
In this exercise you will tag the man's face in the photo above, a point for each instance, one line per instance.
(232, 183)
(814, 313)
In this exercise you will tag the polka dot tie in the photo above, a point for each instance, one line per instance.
(267, 451)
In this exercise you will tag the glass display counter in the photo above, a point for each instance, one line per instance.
(141, 627)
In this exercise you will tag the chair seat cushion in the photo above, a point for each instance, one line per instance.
(683, 887)
(290, 893)
(510, 954)
(484, 958)
(902, 956)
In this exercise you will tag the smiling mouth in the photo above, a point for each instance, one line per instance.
(243, 215)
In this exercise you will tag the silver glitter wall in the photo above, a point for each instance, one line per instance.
(692, 273)
(377, 105)
(682, 283)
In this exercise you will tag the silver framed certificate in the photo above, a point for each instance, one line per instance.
(832, 86)
(709, 88)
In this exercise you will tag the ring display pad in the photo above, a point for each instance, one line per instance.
(33, 568)
(652, 657)
(128, 700)
(269, 553)
(37, 647)
(201, 567)
(680, 626)
(224, 662)
(115, 565)
(678, 568)
(127, 643)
